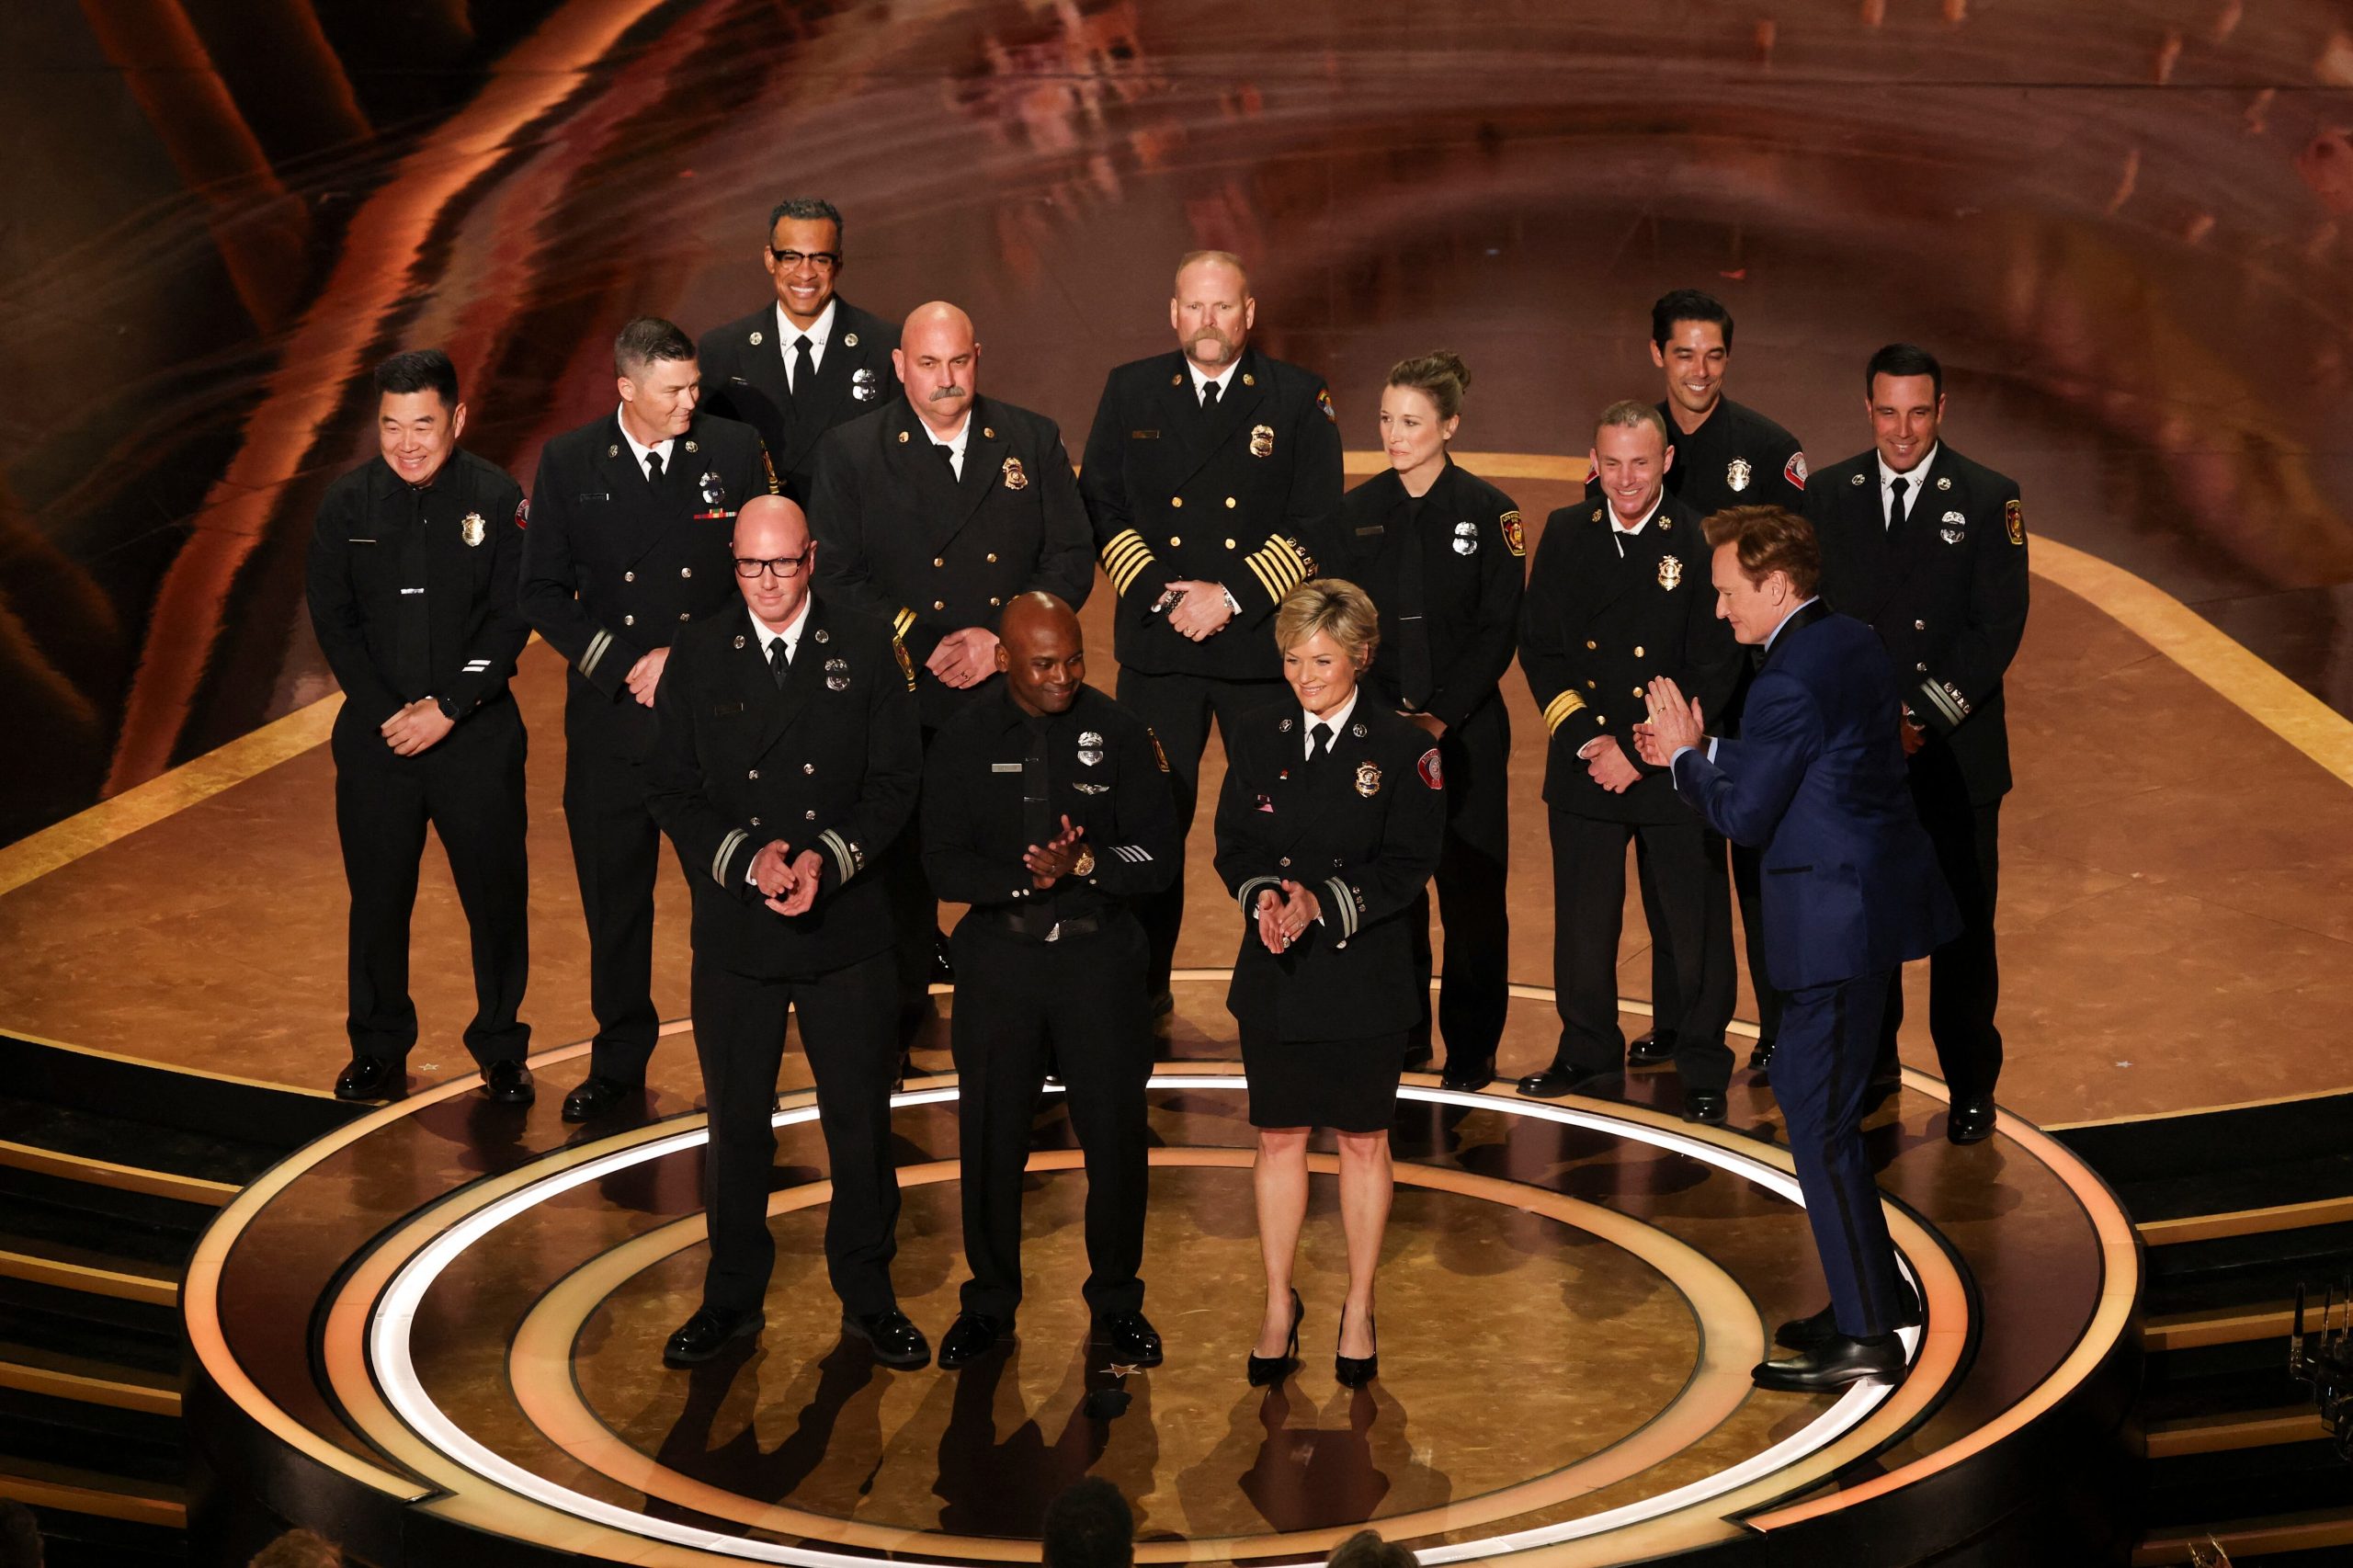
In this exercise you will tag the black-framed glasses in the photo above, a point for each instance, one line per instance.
(823, 260)
(777, 566)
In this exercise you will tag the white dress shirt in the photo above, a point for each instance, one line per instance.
(955, 444)
(818, 333)
(639, 447)
(1912, 482)
(1225, 379)
(1337, 719)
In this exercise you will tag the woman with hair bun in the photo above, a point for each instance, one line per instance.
(1327, 832)
(1441, 553)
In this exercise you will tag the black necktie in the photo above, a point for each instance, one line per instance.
(947, 458)
(1319, 742)
(804, 367)
(1414, 673)
(653, 467)
(1037, 808)
(412, 620)
(779, 661)
(1895, 489)
(1208, 397)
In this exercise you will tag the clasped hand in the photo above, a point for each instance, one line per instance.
(787, 883)
(1284, 916)
(1200, 610)
(963, 658)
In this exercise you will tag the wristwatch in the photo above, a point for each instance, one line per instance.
(1085, 865)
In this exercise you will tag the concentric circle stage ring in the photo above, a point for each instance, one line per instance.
(488, 1295)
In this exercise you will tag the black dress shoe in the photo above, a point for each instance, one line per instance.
(508, 1082)
(1654, 1047)
(896, 1341)
(1355, 1372)
(1760, 1056)
(1806, 1332)
(969, 1337)
(1134, 1341)
(1971, 1121)
(1557, 1080)
(1265, 1371)
(599, 1097)
(943, 968)
(369, 1078)
(708, 1333)
(1708, 1109)
(1468, 1076)
(1833, 1364)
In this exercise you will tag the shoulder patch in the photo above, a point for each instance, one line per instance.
(1794, 470)
(523, 513)
(1515, 538)
(907, 665)
(1324, 401)
(1431, 774)
(2014, 519)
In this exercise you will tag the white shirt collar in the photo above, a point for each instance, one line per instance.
(790, 636)
(818, 332)
(640, 447)
(1223, 379)
(1616, 526)
(956, 442)
(1912, 480)
(1339, 720)
(1774, 635)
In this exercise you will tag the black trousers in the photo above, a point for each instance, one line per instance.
(1589, 902)
(469, 788)
(615, 854)
(1081, 1003)
(847, 1029)
(1179, 707)
(1964, 975)
(1475, 979)
(1822, 1074)
(915, 908)
(1666, 1002)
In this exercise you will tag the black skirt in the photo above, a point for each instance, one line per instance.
(1349, 1085)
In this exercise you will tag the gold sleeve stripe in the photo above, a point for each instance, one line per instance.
(1124, 559)
(1556, 712)
(1278, 565)
(901, 621)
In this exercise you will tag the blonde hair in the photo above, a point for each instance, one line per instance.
(1334, 606)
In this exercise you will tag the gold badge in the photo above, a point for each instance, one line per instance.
(1248, 380)
(849, 340)
(1670, 572)
(1368, 779)
(1262, 440)
(1515, 538)
(1015, 479)
(473, 530)
(1736, 474)
(2014, 519)
(756, 340)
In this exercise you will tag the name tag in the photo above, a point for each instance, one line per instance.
(359, 541)
(1005, 767)
(405, 592)
(724, 709)
(595, 496)
(1143, 434)
(1373, 531)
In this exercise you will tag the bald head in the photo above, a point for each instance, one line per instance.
(773, 533)
(1043, 655)
(1211, 309)
(938, 361)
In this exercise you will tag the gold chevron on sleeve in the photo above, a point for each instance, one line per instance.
(1556, 712)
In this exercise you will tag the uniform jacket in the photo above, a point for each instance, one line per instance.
(1817, 782)
(1946, 595)
(1363, 835)
(1472, 551)
(367, 553)
(1103, 769)
(1596, 630)
(744, 378)
(901, 536)
(614, 567)
(1243, 495)
(832, 762)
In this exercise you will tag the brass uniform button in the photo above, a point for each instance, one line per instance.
(1229, 544)
(939, 560)
(1638, 691)
(994, 601)
(629, 620)
(1229, 502)
(991, 557)
(1589, 647)
(939, 604)
(1177, 500)
(1174, 542)
(1638, 651)
(1590, 686)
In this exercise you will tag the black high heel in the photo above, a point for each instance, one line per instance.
(1265, 1371)
(1355, 1372)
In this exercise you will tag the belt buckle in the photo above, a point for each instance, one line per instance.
(1055, 931)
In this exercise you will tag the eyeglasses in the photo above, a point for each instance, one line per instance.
(782, 566)
(823, 260)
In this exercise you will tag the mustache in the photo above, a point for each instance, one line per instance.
(939, 393)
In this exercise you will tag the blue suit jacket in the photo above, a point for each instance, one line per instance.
(1817, 780)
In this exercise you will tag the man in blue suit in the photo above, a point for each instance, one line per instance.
(1816, 780)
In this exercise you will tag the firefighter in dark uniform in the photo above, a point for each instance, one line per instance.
(795, 369)
(786, 761)
(1930, 548)
(627, 543)
(934, 511)
(412, 588)
(1212, 472)
(1442, 553)
(1621, 595)
(1045, 808)
(1726, 454)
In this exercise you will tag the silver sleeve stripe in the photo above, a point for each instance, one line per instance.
(1954, 710)
(596, 646)
(1346, 898)
(845, 853)
(1252, 888)
(727, 847)
(1134, 854)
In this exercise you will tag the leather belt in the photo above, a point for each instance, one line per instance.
(1036, 923)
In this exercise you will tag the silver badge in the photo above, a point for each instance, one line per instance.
(1736, 474)
(1092, 759)
(739, 640)
(714, 492)
(1466, 539)
(1089, 738)
(613, 451)
(756, 340)
(1956, 519)
(1953, 535)
(1944, 483)
(1284, 726)
(861, 385)
(820, 634)
(1090, 748)
(1857, 479)
(849, 340)
(1092, 788)
(1358, 731)
(837, 674)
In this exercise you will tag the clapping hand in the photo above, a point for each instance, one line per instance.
(1053, 859)
(1675, 722)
